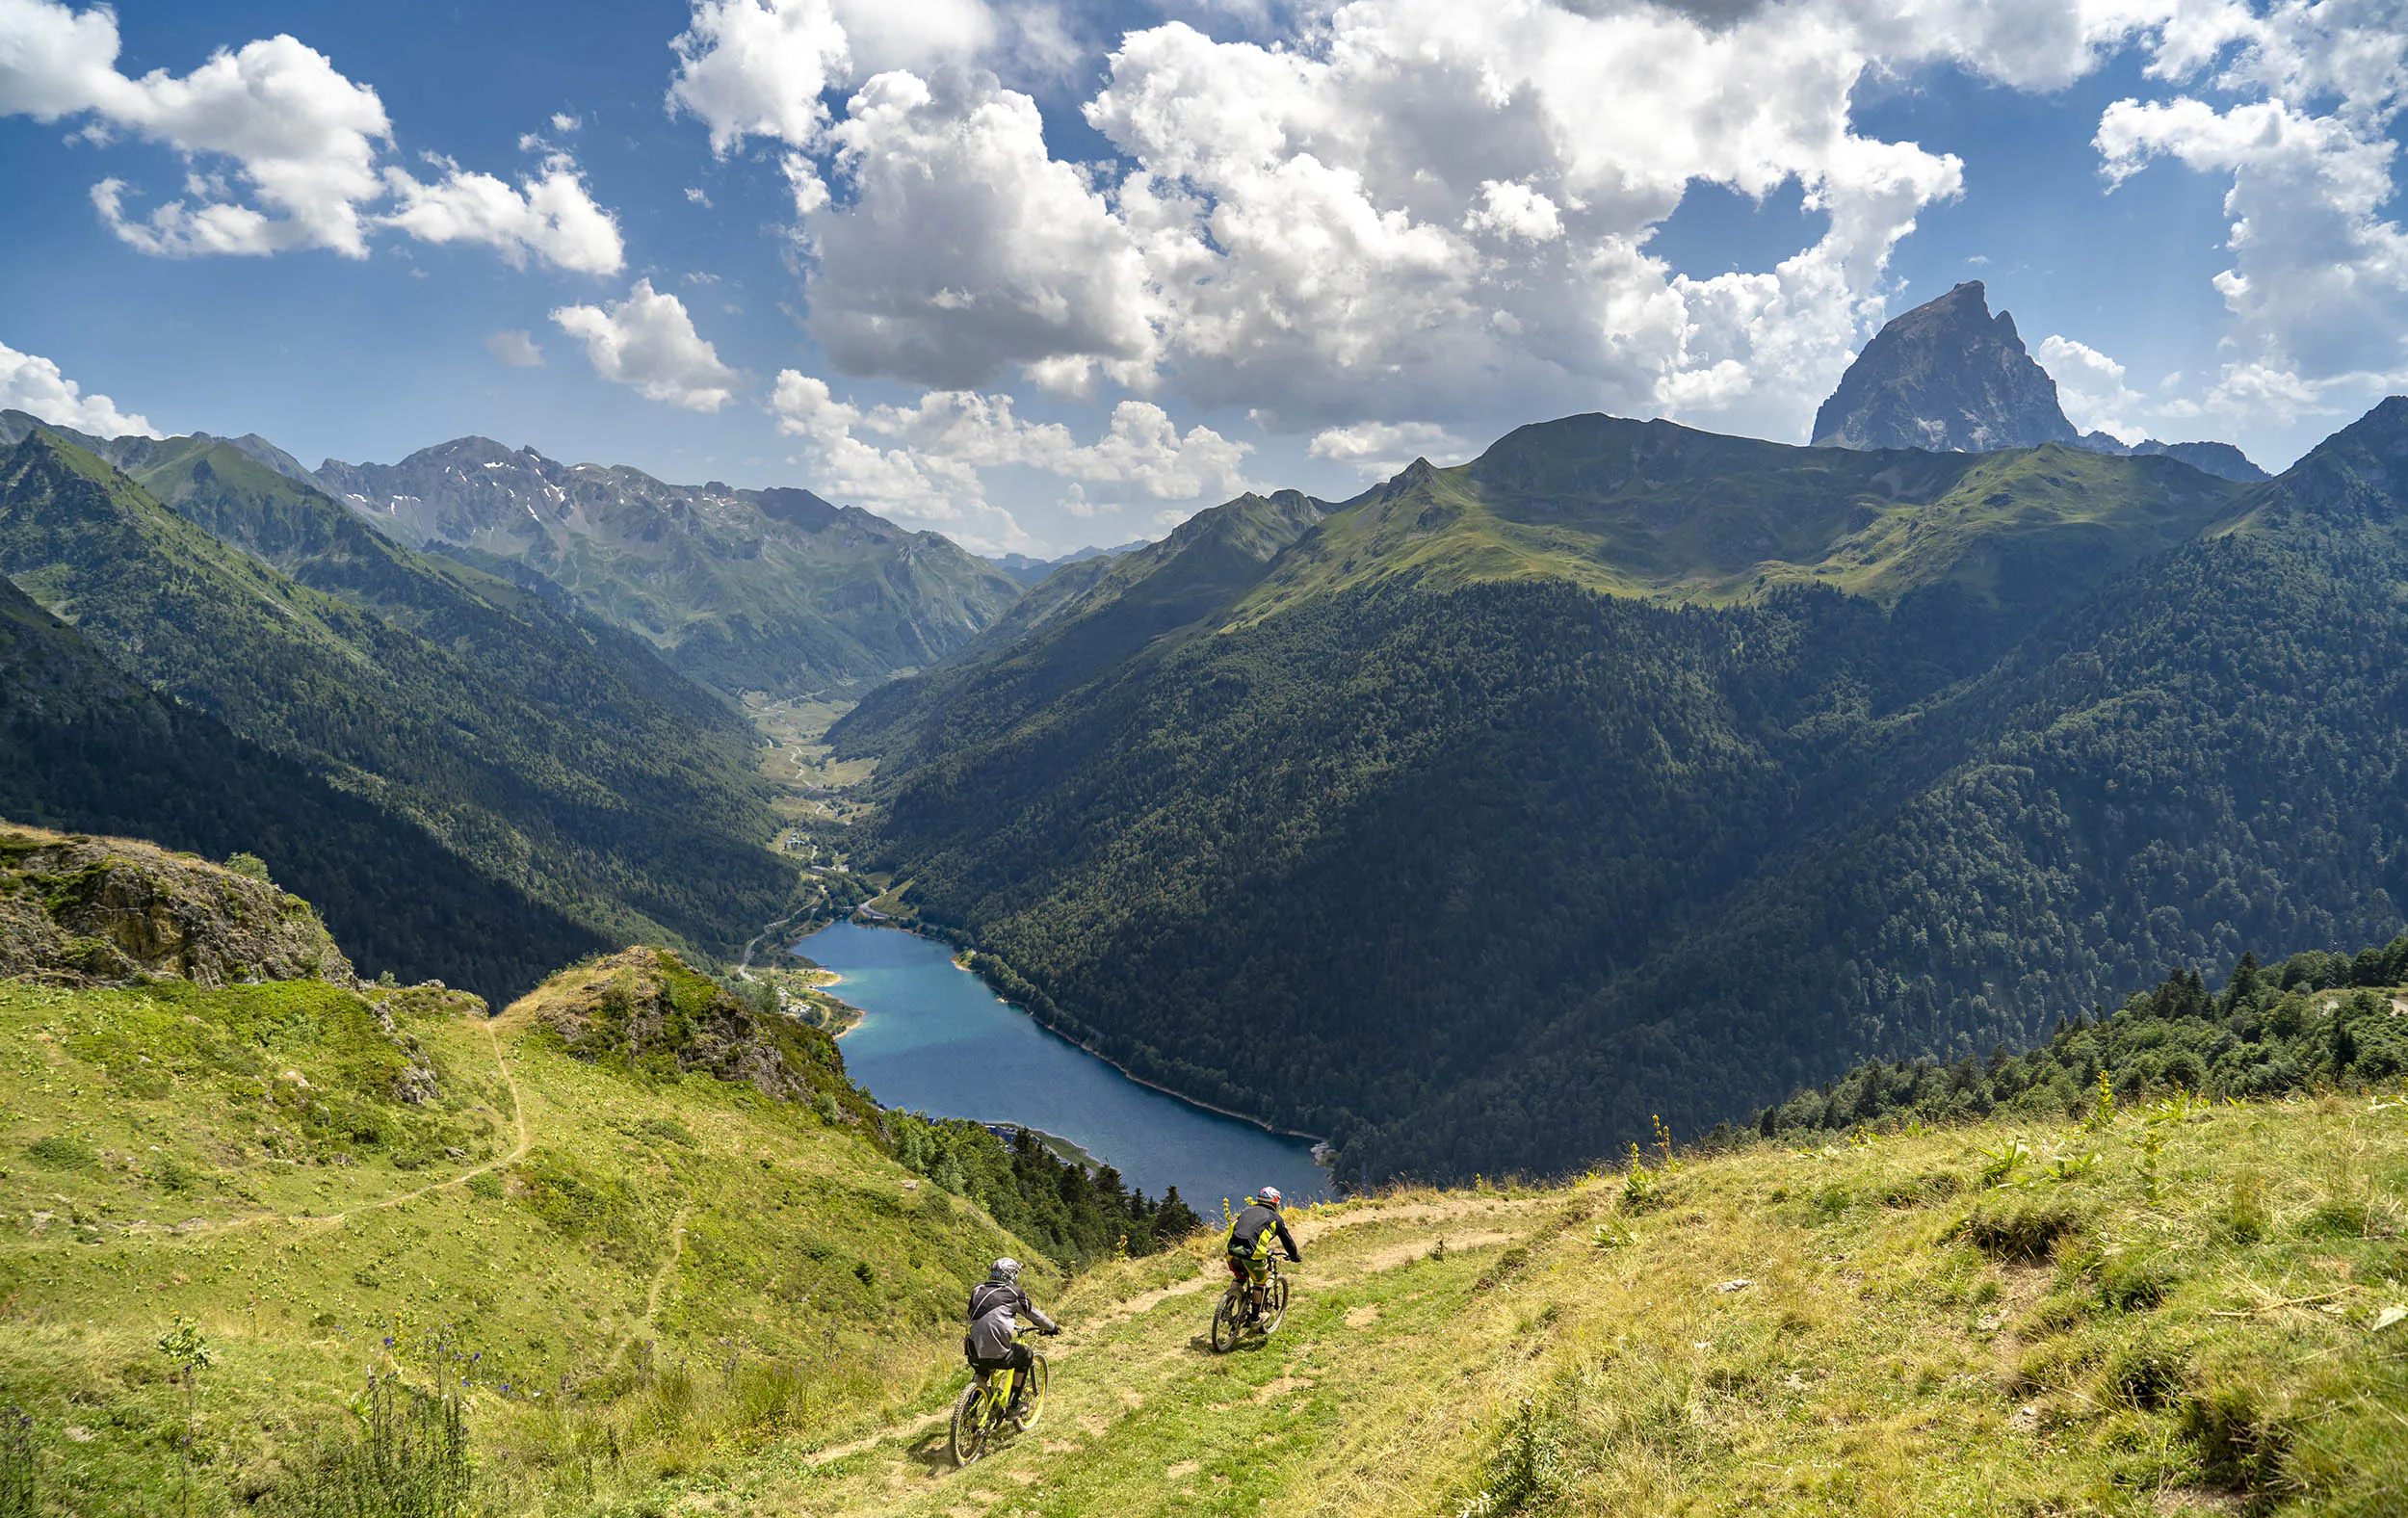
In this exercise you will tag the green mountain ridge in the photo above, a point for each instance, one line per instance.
(1422, 841)
(1656, 509)
(542, 749)
(743, 590)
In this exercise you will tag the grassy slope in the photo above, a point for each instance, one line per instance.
(1875, 1363)
(586, 1216)
(716, 1295)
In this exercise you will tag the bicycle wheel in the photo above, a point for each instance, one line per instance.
(1036, 1380)
(1275, 1304)
(1225, 1327)
(970, 1425)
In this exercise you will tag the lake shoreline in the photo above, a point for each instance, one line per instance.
(1044, 1094)
(961, 961)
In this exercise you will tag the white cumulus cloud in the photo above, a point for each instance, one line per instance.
(1379, 449)
(33, 385)
(761, 68)
(2318, 284)
(548, 215)
(758, 67)
(1404, 194)
(2090, 387)
(648, 342)
(964, 249)
(299, 142)
(941, 445)
(1396, 196)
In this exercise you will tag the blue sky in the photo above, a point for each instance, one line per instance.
(1045, 275)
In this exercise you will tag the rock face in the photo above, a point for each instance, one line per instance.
(1948, 377)
(83, 910)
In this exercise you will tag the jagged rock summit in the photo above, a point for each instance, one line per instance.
(1950, 378)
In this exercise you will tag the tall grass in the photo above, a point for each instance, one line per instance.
(619, 1436)
(410, 1459)
(17, 1495)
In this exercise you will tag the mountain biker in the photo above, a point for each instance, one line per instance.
(996, 1303)
(1250, 1234)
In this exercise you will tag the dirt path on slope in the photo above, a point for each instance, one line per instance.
(660, 1280)
(1310, 1231)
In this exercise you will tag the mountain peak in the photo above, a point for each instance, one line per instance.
(2361, 471)
(1948, 377)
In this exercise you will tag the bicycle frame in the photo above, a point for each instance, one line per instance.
(999, 1383)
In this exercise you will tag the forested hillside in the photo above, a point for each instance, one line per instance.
(769, 590)
(84, 747)
(2315, 1022)
(556, 760)
(1422, 841)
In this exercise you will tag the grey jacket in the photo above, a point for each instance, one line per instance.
(993, 1306)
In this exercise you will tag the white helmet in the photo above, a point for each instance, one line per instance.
(1268, 1195)
(1006, 1269)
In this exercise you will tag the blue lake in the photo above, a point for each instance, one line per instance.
(934, 1039)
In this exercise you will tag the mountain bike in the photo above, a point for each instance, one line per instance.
(1240, 1314)
(985, 1413)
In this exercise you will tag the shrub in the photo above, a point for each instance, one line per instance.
(2025, 1232)
(2245, 1209)
(1528, 1465)
(62, 1152)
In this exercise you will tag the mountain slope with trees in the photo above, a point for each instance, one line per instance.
(85, 747)
(769, 590)
(1422, 841)
(546, 753)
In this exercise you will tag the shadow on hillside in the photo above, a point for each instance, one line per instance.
(933, 1452)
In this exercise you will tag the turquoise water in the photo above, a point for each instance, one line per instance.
(934, 1039)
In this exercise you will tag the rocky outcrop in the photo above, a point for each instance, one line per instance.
(1948, 377)
(77, 910)
(647, 1008)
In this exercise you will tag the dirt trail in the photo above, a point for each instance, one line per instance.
(660, 1280)
(518, 1152)
(1328, 1229)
